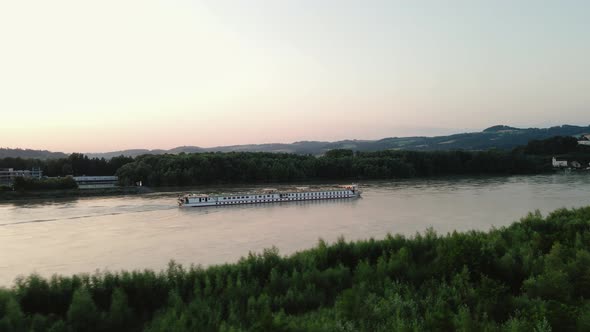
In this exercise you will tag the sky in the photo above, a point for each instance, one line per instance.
(96, 76)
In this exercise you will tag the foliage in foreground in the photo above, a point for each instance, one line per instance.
(531, 276)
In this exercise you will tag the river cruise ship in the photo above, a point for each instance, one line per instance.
(270, 196)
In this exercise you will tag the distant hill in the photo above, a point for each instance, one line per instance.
(30, 154)
(496, 137)
(499, 128)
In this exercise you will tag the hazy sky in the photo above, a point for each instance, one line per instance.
(106, 75)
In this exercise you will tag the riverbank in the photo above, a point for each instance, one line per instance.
(531, 275)
(71, 193)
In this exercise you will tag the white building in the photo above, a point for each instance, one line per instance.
(7, 175)
(584, 139)
(94, 182)
(559, 163)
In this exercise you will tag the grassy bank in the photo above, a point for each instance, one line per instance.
(65, 193)
(531, 276)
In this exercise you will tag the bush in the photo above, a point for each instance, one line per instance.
(22, 183)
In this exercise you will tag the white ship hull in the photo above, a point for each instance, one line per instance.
(270, 196)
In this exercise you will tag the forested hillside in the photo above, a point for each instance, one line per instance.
(531, 276)
(340, 164)
(30, 154)
(497, 137)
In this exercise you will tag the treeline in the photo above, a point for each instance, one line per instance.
(211, 167)
(22, 184)
(76, 164)
(202, 168)
(531, 276)
(557, 145)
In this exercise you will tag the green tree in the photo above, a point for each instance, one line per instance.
(83, 315)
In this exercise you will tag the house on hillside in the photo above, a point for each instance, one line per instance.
(559, 163)
(584, 139)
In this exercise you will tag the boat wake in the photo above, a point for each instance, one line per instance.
(83, 216)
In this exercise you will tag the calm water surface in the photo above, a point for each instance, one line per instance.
(136, 232)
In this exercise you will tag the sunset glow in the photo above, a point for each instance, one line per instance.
(95, 76)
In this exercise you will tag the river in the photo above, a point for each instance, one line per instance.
(147, 231)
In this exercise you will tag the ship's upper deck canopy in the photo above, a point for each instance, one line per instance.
(265, 191)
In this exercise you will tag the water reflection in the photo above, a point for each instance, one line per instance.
(33, 202)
